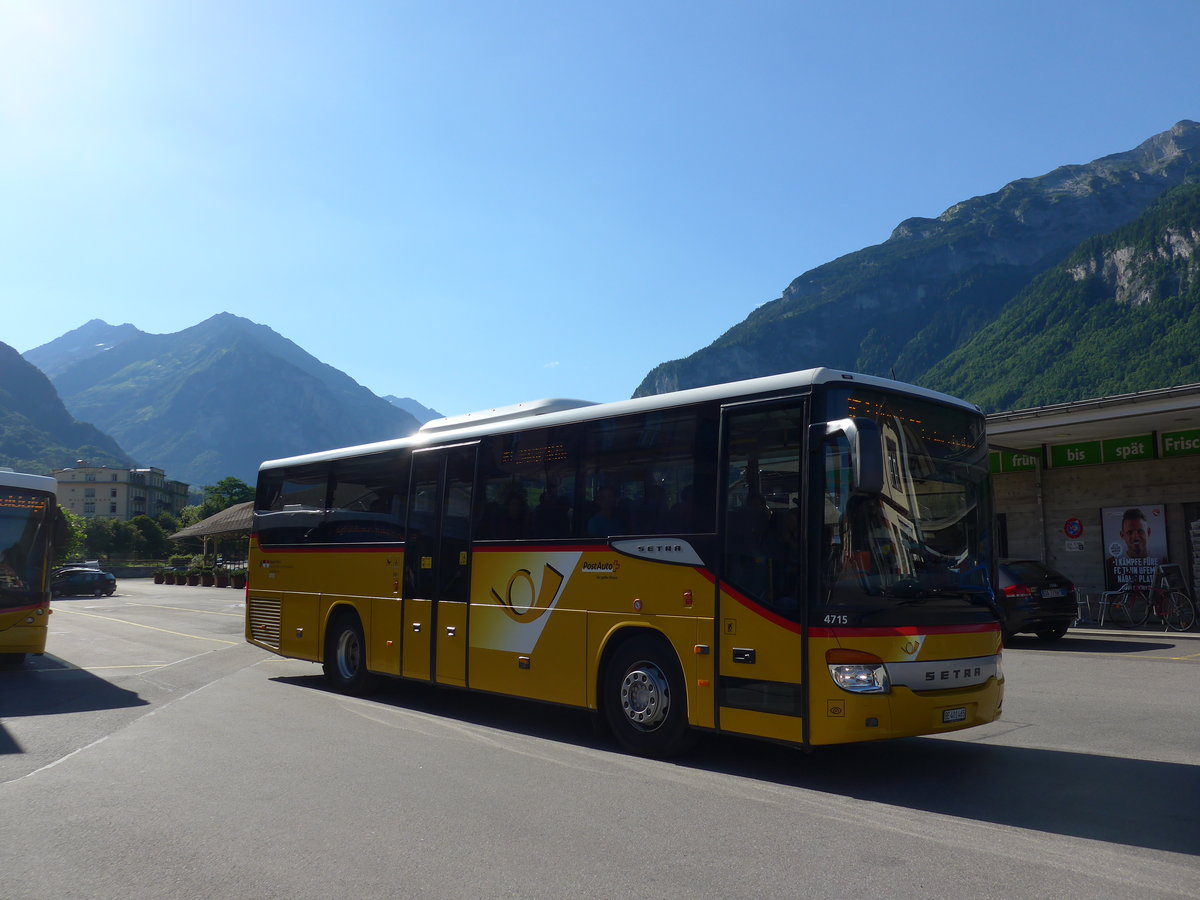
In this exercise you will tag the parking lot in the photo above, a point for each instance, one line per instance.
(153, 753)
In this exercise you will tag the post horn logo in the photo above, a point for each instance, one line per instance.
(524, 601)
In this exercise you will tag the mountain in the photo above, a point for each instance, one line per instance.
(421, 413)
(218, 398)
(92, 339)
(1119, 315)
(900, 307)
(37, 433)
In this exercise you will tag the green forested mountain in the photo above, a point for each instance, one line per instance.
(1120, 314)
(216, 399)
(37, 433)
(902, 307)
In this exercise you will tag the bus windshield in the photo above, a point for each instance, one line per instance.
(24, 516)
(921, 541)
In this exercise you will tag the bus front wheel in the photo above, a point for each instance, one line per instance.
(345, 662)
(645, 701)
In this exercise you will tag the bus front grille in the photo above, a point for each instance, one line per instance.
(265, 621)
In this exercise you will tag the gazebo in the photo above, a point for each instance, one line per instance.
(228, 523)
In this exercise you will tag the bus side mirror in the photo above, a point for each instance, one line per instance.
(61, 535)
(866, 452)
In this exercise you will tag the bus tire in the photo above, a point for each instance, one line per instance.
(645, 700)
(345, 660)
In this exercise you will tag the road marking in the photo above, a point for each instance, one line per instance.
(198, 637)
(188, 609)
(146, 666)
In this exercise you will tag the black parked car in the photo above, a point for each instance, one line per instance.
(1035, 598)
(67, 582)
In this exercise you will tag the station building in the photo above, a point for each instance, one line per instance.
(1102, 490)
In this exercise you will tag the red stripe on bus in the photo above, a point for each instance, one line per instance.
(901, 631)
(7, 610)
(542, 548)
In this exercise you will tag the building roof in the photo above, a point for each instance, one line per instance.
(234, 520)
(1167, 409)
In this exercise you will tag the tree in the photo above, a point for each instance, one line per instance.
(227, 492)
(222, 495)
(99, 538)
(155, 542)
(73, 547)
(168, 522)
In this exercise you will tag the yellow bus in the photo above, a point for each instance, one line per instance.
(802, 558)
(30, 530)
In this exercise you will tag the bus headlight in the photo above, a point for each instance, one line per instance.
(858, 672)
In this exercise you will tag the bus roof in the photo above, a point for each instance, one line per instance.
(9, 478)
(549, 412)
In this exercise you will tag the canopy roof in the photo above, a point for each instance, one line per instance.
(232, 521)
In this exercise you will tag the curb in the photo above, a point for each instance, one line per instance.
(1096, 629)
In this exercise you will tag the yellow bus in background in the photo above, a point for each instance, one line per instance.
(30, 527)
(802, 558)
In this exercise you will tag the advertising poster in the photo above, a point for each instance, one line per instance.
(1135, 543)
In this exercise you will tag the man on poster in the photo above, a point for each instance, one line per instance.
(1136, 544)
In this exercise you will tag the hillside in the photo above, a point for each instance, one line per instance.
(900, 307)
(418, 411)
(37, 433)
(1120, 314)
(218, 398)
(89, 340)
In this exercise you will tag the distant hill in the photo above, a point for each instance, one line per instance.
(37, 433)
(1119, 315)
(216, 399)
(421, 413)
(89, 340)
(899, 308)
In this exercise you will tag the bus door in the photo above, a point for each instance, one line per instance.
(437, 564)
(761, 595)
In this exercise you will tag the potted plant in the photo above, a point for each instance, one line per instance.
(159, 576)
(238, 578)
(193, 577)
(222, 578)
(207, 578)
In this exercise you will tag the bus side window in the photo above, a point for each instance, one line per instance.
(528, 485)
(366, 500)
(290, 505)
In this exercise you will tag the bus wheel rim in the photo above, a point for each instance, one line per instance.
(348, 654)
(645, 696)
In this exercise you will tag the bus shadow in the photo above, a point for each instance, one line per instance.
(1079, 643)
(48, 685)
(1134, 802)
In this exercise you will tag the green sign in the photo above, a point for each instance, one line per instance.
(1181, 443)
(1085, 454)
(1129, 449)
(1010, 461)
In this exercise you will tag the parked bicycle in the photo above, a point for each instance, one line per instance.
(1133, 605)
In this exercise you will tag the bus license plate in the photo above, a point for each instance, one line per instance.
(958, 714)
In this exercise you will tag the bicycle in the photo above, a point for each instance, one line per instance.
(1136, 602)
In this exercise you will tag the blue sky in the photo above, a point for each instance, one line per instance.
(479, 203)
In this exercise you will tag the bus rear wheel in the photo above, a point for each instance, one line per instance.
(345, 662)
(645, 701)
